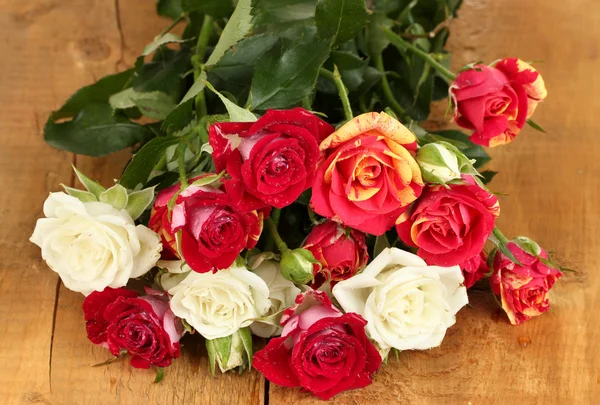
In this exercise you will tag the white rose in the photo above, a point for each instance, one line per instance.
(408, 305)
(282, 294)
(219, 304)
(92, 245)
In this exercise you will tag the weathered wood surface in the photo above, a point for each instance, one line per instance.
(50, 48)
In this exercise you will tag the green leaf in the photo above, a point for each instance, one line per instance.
(288, 72)
(533, 125)
(237, 28)
(156, 105)
(158, 41)
(352, 68)
(381, 242)
(215, 8)
(115, 196)
(371, 78)
(235, 69)
(142, 163)
(89, 184)
(340, 20)
(488, 175)
(123, 99)
(208, 180)
(139, 201)
(163, 73)
(246, 337)
(83, 196)
(99, 91)
(169, 8)
(183, 113)
(160, 374)
(376, 40)
(282, 11)
(236, 113)
(95, 131)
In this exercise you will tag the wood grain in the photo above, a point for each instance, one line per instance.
(51, 48)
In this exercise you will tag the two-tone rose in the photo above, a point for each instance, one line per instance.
(368, 175)
(496, 101)
(523, 288)
(450, 224)
(213, 229)
(144, 326)
(270, 161)
(320, 349)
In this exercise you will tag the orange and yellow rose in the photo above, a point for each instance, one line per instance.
(368, 175)
(496, 101)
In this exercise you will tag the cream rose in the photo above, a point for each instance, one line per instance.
(408, 305)
(218, 304)
(282, 294)
(92, 245)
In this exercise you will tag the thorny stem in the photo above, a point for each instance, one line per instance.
(201, 45)
(336, 78)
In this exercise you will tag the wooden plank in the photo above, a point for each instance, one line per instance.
(553, 193)
(28, 171)
(188, 379)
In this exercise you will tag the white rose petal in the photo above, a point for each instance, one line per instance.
(407, 304)
(219, 304)
(282, 294)
(93, 245)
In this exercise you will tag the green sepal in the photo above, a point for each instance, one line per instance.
(139, 201)
(115, 196)
(89, 184)
(83, 196)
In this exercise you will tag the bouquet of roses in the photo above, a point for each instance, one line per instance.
(339, 243)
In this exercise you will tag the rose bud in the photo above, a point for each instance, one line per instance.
(474, 268)
(320, 349)
(214, 230)
(299, 265)
(341, 251)
(442, 162)
(450, 225)
(368, 176)
(270, 161)
(496, 101)
(523, 289)
(145, 327)
(231, 351)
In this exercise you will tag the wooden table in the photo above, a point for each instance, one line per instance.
(49, 48)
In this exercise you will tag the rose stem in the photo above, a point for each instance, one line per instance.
(403, 45)
(275, 214)
(387, 90)
(201, 46)
(172, 25)
(181, 163)
(336, 78)
(275, 235)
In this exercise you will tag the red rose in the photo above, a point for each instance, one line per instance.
(450, 225)
(523, 290)
(341, 251)
(368, 176)
(474, 269)
(145, 327)
(270, 161)
(320, 349)
(496, 101)
(213, 229)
